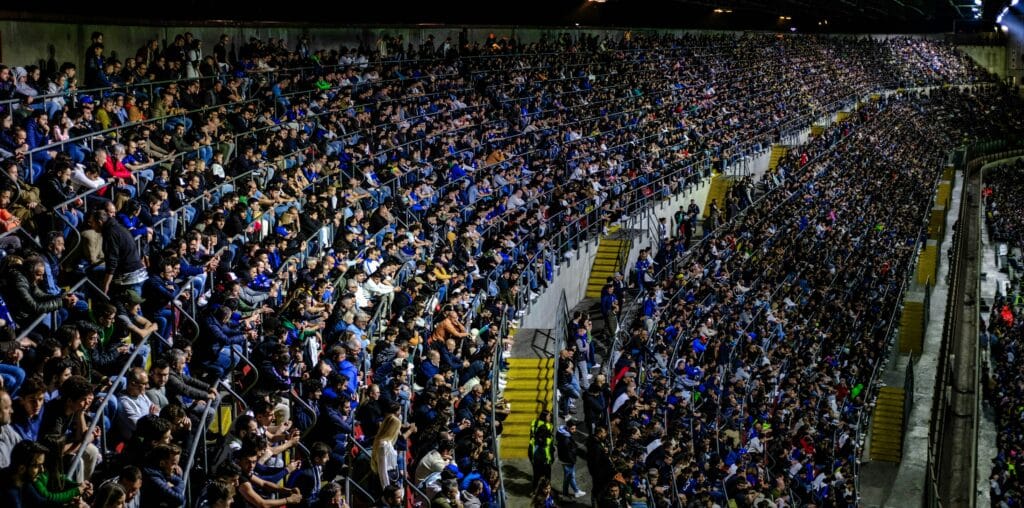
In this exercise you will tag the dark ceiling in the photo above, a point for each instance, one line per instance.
(805, 15)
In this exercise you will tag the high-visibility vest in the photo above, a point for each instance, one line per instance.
(534, 427)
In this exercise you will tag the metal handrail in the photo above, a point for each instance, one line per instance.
(200, 435)
(123, 88)
(76, 462)
(159, 120)
(495, 377)
(291, 395)
(634, 304)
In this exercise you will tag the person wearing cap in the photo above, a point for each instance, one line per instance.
(129, 316)
(226, 340)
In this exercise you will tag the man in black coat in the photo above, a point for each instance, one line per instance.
(123, 261)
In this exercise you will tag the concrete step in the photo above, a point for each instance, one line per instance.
(885, 419)
(514, 447)
(879, 457)
(525, 361)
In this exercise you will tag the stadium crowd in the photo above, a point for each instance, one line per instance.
(322, 252)
(751, 356)
(1003, 211)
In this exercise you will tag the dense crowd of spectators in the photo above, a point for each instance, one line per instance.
(1004, 209)
(746, 371)
(333, 242)
(1003, 336)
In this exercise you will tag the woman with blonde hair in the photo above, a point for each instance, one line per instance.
(384, 457)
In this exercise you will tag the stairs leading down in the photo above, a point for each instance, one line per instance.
(720, 185)
(778, 152)
(529, 391)
(606, 263)
(887, 425)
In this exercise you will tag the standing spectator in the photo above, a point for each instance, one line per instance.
(384, 457)
(541, 449)
(123, 261)
(567, 452)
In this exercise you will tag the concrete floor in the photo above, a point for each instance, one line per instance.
(987, 425)
(517, 474)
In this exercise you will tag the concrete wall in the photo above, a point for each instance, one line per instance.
(574, 275)
(28, 42)
(992, 58)
(571, 276)
(1015, 52)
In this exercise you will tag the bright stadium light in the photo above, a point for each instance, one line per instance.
(977, 2)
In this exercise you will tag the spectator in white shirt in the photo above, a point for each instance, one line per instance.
(134, 404)
(87, 177)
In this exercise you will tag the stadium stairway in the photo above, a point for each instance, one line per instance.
(607, 262)
(887, 425)
(529, 390)
(778, 152)
(720, 185)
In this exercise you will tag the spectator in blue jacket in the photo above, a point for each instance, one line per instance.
(162, 485)
(227, 342)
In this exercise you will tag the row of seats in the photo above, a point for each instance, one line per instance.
(751, 363)
(329, 262)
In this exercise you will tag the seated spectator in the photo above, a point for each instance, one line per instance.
(133, 404)
(162, 484)
(246, 458)
(65, 416)
(28, 460)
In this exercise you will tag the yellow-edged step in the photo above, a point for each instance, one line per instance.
(529, 390)
(887, 425)
(778, 151)
(606, 263)
(720, 185)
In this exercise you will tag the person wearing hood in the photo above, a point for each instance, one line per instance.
(23, 89)
(21, 86)
(567, 452)
(471, 495)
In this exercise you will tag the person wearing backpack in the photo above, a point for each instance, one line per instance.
(541, 451)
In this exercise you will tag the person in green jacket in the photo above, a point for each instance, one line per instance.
(541, 451)
(51, 484)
